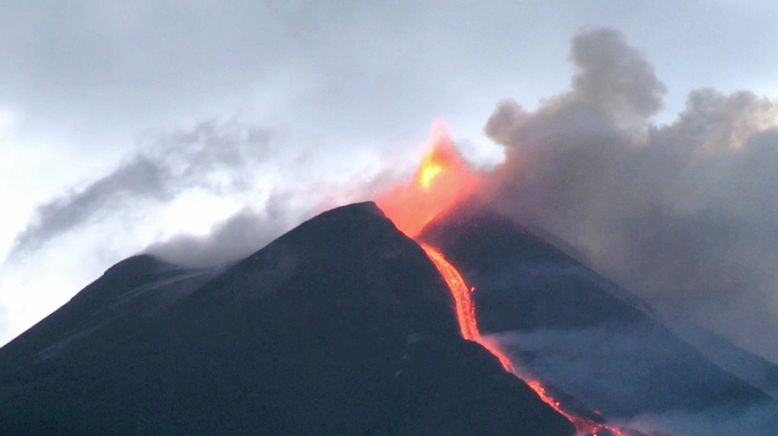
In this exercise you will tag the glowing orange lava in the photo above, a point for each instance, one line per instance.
(465, 309)
(442, 179)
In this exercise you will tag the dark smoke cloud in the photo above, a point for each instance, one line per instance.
(613, 77)
(684, 214)
(214, 156)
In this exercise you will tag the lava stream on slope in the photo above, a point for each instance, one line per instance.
(468, 326)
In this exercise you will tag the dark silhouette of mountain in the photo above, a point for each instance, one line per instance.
(341, 326)
(577, 331)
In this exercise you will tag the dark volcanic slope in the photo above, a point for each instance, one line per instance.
(341, 326)
(576, 330)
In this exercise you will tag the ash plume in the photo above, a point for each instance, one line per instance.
(684, 214)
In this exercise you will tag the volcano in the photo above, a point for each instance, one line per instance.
(427, 312)
(341, 326)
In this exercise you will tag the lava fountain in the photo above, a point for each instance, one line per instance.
(442, 180)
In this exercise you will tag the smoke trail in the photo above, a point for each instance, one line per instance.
(212, 156)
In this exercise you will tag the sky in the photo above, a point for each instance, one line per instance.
(215, 126)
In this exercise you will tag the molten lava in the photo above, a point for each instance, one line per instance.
(442, 179)
(468, 326)
(463, 303)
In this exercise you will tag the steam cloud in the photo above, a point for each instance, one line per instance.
(234, 238)
(683, 214)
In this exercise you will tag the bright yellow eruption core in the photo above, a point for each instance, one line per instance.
(428, 173)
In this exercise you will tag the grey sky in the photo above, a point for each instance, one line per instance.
(346, 89)
(97, 70)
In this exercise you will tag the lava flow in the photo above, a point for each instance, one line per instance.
(465, 308)
(468, 325)
(442, 180)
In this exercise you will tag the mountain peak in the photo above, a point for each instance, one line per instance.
(139, 264)
(364, 206)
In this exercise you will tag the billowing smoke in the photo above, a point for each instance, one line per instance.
(684, 214)
(234, 238)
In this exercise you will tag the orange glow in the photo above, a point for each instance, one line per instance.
(442, 179)
(468, 326)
